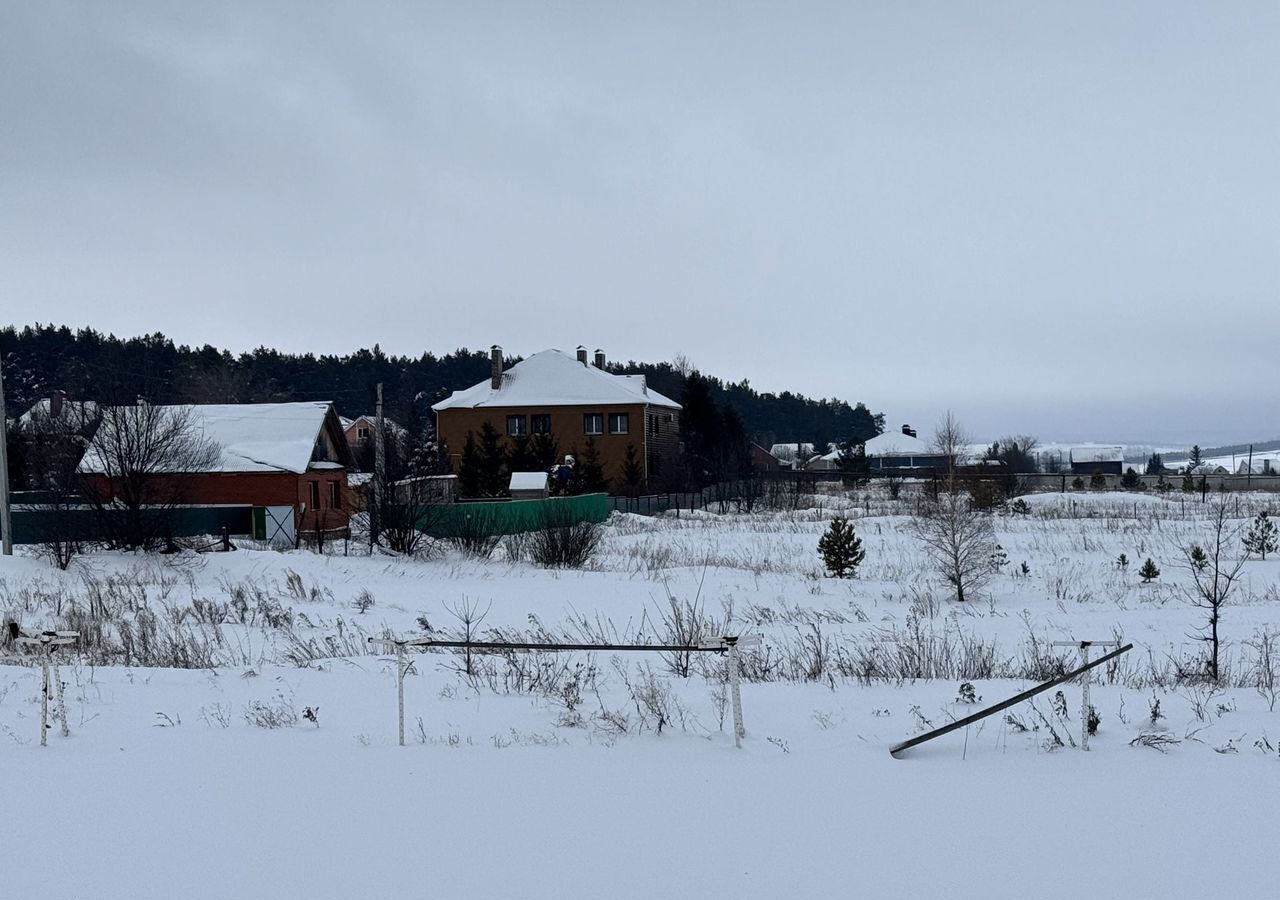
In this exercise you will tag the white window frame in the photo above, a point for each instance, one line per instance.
(620, 418)
(588, 417)
(522, 431)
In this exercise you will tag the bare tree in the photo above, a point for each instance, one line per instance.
(134, 470)
(54, 438)
(958, 539)
(413, 501)
(951, 439)
(1214, 569)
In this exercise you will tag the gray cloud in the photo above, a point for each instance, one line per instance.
(1060, 220)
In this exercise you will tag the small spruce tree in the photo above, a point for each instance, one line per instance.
(1262, 538)
(1188, 482)
(1196, 458)
(492, 458)
(632, 471)
(469, 475)
(1149, 570)
(841, 549)
(1129, 481)
(1098, 482)
(593, 480)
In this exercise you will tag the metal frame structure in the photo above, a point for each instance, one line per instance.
(48, 641)
(727, 644)
(898, 749)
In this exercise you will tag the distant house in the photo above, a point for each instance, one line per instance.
(1264, 465)
(902, 450)
(793, 456)
(284, 456)
(360, 434)
(1097, 460)
(573, 400)
(762, 460)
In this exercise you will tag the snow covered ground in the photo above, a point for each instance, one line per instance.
(573, 775)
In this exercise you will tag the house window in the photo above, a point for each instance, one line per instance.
(619, 423)
(362, 433)
(517, 426)
(335, 495)
(540, 424)
(653, 424)
(593, 423)
(314, 492)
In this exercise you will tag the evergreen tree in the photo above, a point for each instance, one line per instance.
(1188, 483)
(544, 451)
(592, 470)
(853, 464)
(1149, 571)
(1130, 481)
(841, 549)
(632, 471)
(492, 459)
(1155, 465)
(1262, 538)
(469, 474)
(521, 457)
(1196, 458)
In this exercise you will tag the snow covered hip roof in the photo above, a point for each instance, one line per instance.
(555, 378)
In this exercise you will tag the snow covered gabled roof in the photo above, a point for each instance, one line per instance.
(528, 481)
(1097, 454)
(895, 443)
(254, 437)
(556, 378)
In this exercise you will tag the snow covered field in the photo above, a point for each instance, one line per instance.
(569, 775)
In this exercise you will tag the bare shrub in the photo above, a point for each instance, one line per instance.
(275, 713)
(473, 531)
(563, 541)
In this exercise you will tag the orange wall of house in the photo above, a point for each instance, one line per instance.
(566, 428)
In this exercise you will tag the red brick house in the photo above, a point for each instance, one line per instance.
(573, 399)
(290, 456)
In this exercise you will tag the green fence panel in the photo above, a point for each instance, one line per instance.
(513, 516)
(33, 525)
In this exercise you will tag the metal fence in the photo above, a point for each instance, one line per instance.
(512, 516)
(35, 524)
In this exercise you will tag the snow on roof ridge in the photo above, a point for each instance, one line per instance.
(555, 378)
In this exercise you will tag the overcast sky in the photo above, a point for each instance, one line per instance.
(1057, 218)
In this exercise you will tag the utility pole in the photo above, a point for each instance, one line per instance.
(6, 519)
(379, 471)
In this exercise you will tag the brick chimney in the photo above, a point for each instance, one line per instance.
(55, 403)
(582, 354)
(495, 367)
(908, 431)
(599, 358)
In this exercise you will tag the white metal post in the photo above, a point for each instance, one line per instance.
(1085, 678)
(44, 697)
(6, 519)
(1084, 695)
(400, 668)
(60, 700)
(739, 730)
